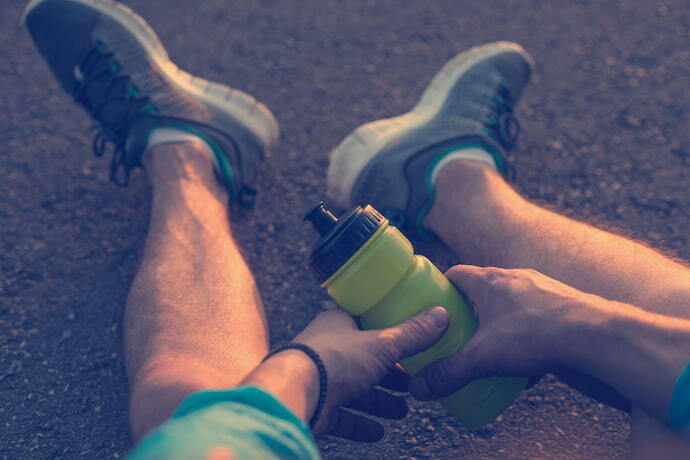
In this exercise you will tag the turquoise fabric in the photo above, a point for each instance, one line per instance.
(679, 407)
(248, 420)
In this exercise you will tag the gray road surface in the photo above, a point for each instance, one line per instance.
(605, 138)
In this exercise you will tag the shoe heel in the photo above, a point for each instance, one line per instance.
(257, 117)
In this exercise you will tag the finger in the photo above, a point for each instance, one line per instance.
(468, 278)
(380, 403)
(448, 375)
(416, 334)
(397, 379)
(355, 427)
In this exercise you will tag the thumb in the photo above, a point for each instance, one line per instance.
(417, 333)
(447, 375)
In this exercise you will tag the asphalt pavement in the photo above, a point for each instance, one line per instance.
(605, 138)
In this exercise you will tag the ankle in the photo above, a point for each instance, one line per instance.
(181, 163)
(459, 185)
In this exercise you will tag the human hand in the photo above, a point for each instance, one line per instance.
(357, 360)
(524, 317)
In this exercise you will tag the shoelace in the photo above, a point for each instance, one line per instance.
(100, 65)
(502, 124)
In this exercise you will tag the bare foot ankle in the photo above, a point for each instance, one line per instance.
(457, 184)
(181, 162)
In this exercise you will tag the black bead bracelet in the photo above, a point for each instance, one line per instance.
(323, 375)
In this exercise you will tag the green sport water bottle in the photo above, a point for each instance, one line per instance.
(369, 268)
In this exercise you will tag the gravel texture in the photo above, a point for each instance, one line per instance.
(604, 138)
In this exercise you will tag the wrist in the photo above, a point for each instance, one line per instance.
(639, 353)
(595, 333)
(292, 377)
(571, 333)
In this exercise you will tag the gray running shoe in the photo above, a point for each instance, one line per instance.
(388, 163)
(114, 66)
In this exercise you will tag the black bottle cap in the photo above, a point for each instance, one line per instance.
(340, 237)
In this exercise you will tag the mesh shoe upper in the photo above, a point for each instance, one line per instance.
(113, 65)
(477, 110)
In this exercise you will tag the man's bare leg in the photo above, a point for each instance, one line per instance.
(194, 319)
(492, 225)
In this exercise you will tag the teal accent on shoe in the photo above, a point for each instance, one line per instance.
(131, 92)
(222, 165)
(679, 406)
(149, 108)
(225, 172)
(431, 190)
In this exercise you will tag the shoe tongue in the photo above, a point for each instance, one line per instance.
(106, 93)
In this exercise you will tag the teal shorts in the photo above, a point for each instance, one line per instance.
(679, 406)
(246, 422)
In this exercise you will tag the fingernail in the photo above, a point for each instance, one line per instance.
(438, 316)
(419, 389)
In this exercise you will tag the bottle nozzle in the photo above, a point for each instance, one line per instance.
(321, 218)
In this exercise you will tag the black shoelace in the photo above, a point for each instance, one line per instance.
(100, 66)
(502, 125)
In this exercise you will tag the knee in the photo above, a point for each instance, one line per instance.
(157, 391)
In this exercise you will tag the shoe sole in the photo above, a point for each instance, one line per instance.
(254, 115)
(357, 150)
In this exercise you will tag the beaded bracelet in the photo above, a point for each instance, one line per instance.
(323, 375)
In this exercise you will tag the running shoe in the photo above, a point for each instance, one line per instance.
(113, 64)
(388, 163)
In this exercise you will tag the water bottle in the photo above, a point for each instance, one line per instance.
(369, 268)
